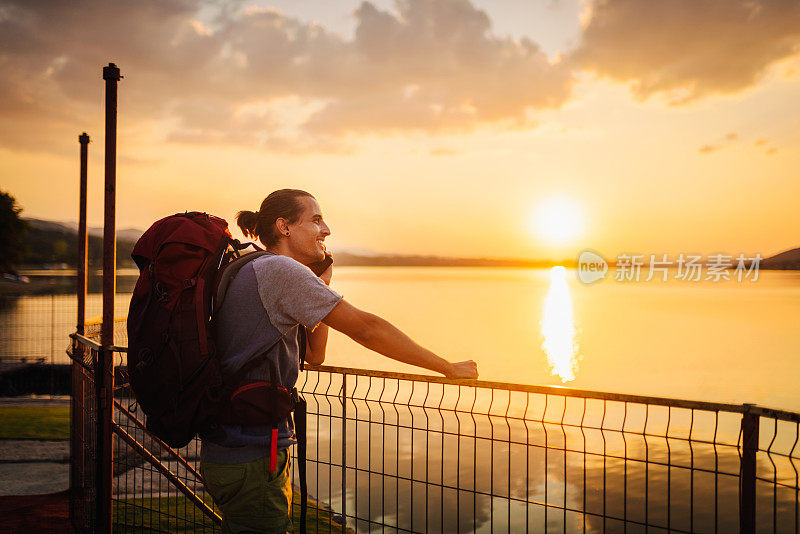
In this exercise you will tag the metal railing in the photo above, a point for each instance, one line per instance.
(425, 454)
(415, 453)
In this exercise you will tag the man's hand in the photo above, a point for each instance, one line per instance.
(467, 369)
(327, 275)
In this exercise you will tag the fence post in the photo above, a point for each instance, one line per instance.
(747, 474)
(344, 453)
(52, 344)
(77, 468)
(105, 365)
(83, 259)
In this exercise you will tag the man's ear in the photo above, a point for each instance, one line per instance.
(282, 225)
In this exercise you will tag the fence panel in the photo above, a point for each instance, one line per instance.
(425, 454)
(83, 433)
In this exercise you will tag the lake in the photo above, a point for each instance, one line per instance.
(717, 341)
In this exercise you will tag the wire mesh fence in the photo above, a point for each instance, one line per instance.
(420, 454)
(83, 434)
(34, 338)
(410, 453)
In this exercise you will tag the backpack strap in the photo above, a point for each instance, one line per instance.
(303, 341)
(251, 364)
(300, 410)
(229, 272)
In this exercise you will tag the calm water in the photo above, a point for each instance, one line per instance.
(729, 342)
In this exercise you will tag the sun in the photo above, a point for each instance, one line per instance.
(558, 220)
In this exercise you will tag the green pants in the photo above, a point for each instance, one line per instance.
(252, 498)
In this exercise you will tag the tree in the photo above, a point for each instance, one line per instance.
(12, 233)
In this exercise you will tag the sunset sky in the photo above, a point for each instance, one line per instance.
(438, 127)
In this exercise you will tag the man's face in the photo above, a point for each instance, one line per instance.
(307, 235)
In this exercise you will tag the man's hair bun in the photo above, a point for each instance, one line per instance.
(247, 221)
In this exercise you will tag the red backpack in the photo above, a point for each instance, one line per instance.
(173, 368)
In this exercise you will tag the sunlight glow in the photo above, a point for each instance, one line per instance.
(558, 220)
(558, 328)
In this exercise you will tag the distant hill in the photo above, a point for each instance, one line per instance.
(52, 243)
(789, 259)
(344, 258)
(126, 234)
(56, 243)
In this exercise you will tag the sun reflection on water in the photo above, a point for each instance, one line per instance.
(558, 328)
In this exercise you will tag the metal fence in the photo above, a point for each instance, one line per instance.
(34, 332)
(412, 453)
(33, 337)
(35, 328)
(83, 433)
(425, 454)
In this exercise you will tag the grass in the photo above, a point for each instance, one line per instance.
(34, 422)
(178, 514)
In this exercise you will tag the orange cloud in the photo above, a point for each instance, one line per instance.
(431, 66)
(708, 149)
(687, 49)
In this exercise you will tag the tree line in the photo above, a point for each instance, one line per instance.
(25, 245)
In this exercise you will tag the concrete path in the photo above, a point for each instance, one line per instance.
(34, 400)
(25, 450)
(33, 478)
(30, 467)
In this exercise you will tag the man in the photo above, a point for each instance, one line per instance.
(272, 298)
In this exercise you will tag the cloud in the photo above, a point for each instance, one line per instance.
(727, 140)
(764, 142)
(431, 65)
(687, 49)
(730, 138)
(217, 72)
(708, 149)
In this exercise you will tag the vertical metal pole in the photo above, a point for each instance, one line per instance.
(52, 344)
(344, 454)
(105, 365)
(747, 476)
(83, 258)
(77, 394)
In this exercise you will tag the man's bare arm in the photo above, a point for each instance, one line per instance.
(379, 335)
(316, 342)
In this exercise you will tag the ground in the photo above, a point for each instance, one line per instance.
(42, 514)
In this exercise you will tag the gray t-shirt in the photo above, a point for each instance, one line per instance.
(269, 298)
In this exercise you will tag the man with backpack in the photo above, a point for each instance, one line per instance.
(274, 310)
